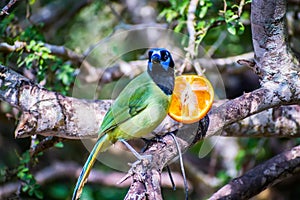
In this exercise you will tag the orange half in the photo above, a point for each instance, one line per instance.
(192, 98)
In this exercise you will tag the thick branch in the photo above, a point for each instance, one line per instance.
(51, 114)
(278, 68)
(259, 178)
(245, 106)
(275, 122)
(269, 34)
(146, 173)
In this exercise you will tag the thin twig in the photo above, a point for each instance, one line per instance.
(241, 6)
(114, 12)
(28, 12)
(46, 143)
(216, 44)
(91, 74)
(190, 50)
(7, 7)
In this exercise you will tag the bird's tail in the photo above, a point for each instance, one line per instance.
(100, 145)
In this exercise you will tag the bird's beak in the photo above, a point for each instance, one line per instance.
(155, 58)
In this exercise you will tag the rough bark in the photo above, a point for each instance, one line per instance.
(281, 121)
(146, 173)
(52, 114)
(49, 113)
(259, 178)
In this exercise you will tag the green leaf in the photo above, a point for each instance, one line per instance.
(202, 2)
(183, 7)
(25, 188)
(173, 3)
(179, 26)
(59, 145)
(31, 191)
(39, 194)
(25, 169)
(241, 28)
(231, 29)
(200, 25)
(25, 157)
(239, 158)
(203, 12)
(32, 181)
(31, 45)
(170, 15)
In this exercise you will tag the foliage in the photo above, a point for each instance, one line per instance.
(29, 185)
(49, 69)
(209, 14)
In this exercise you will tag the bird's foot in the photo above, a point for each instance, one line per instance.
(135, 153)
(148, 142)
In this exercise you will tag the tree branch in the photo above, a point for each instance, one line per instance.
(279, 71)
(71, 170)
(7, 7)
(273, 55)
(64, 114)
(259, 178)
(46, 143)
(146, 173)
(191, 48)
(91, 74)
(245, 106)
(229, 65)
(283, 121)
(49, 113)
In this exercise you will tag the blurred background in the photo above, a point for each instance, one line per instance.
(38, 30)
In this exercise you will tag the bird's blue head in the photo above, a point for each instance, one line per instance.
(160, 56)
(161, 69)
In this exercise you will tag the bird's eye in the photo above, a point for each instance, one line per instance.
(164, 56)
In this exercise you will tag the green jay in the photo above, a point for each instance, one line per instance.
(138, 110)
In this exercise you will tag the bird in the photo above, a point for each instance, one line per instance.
(137, 111)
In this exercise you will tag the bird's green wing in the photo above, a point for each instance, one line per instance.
(128, 104)
(137, 101)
